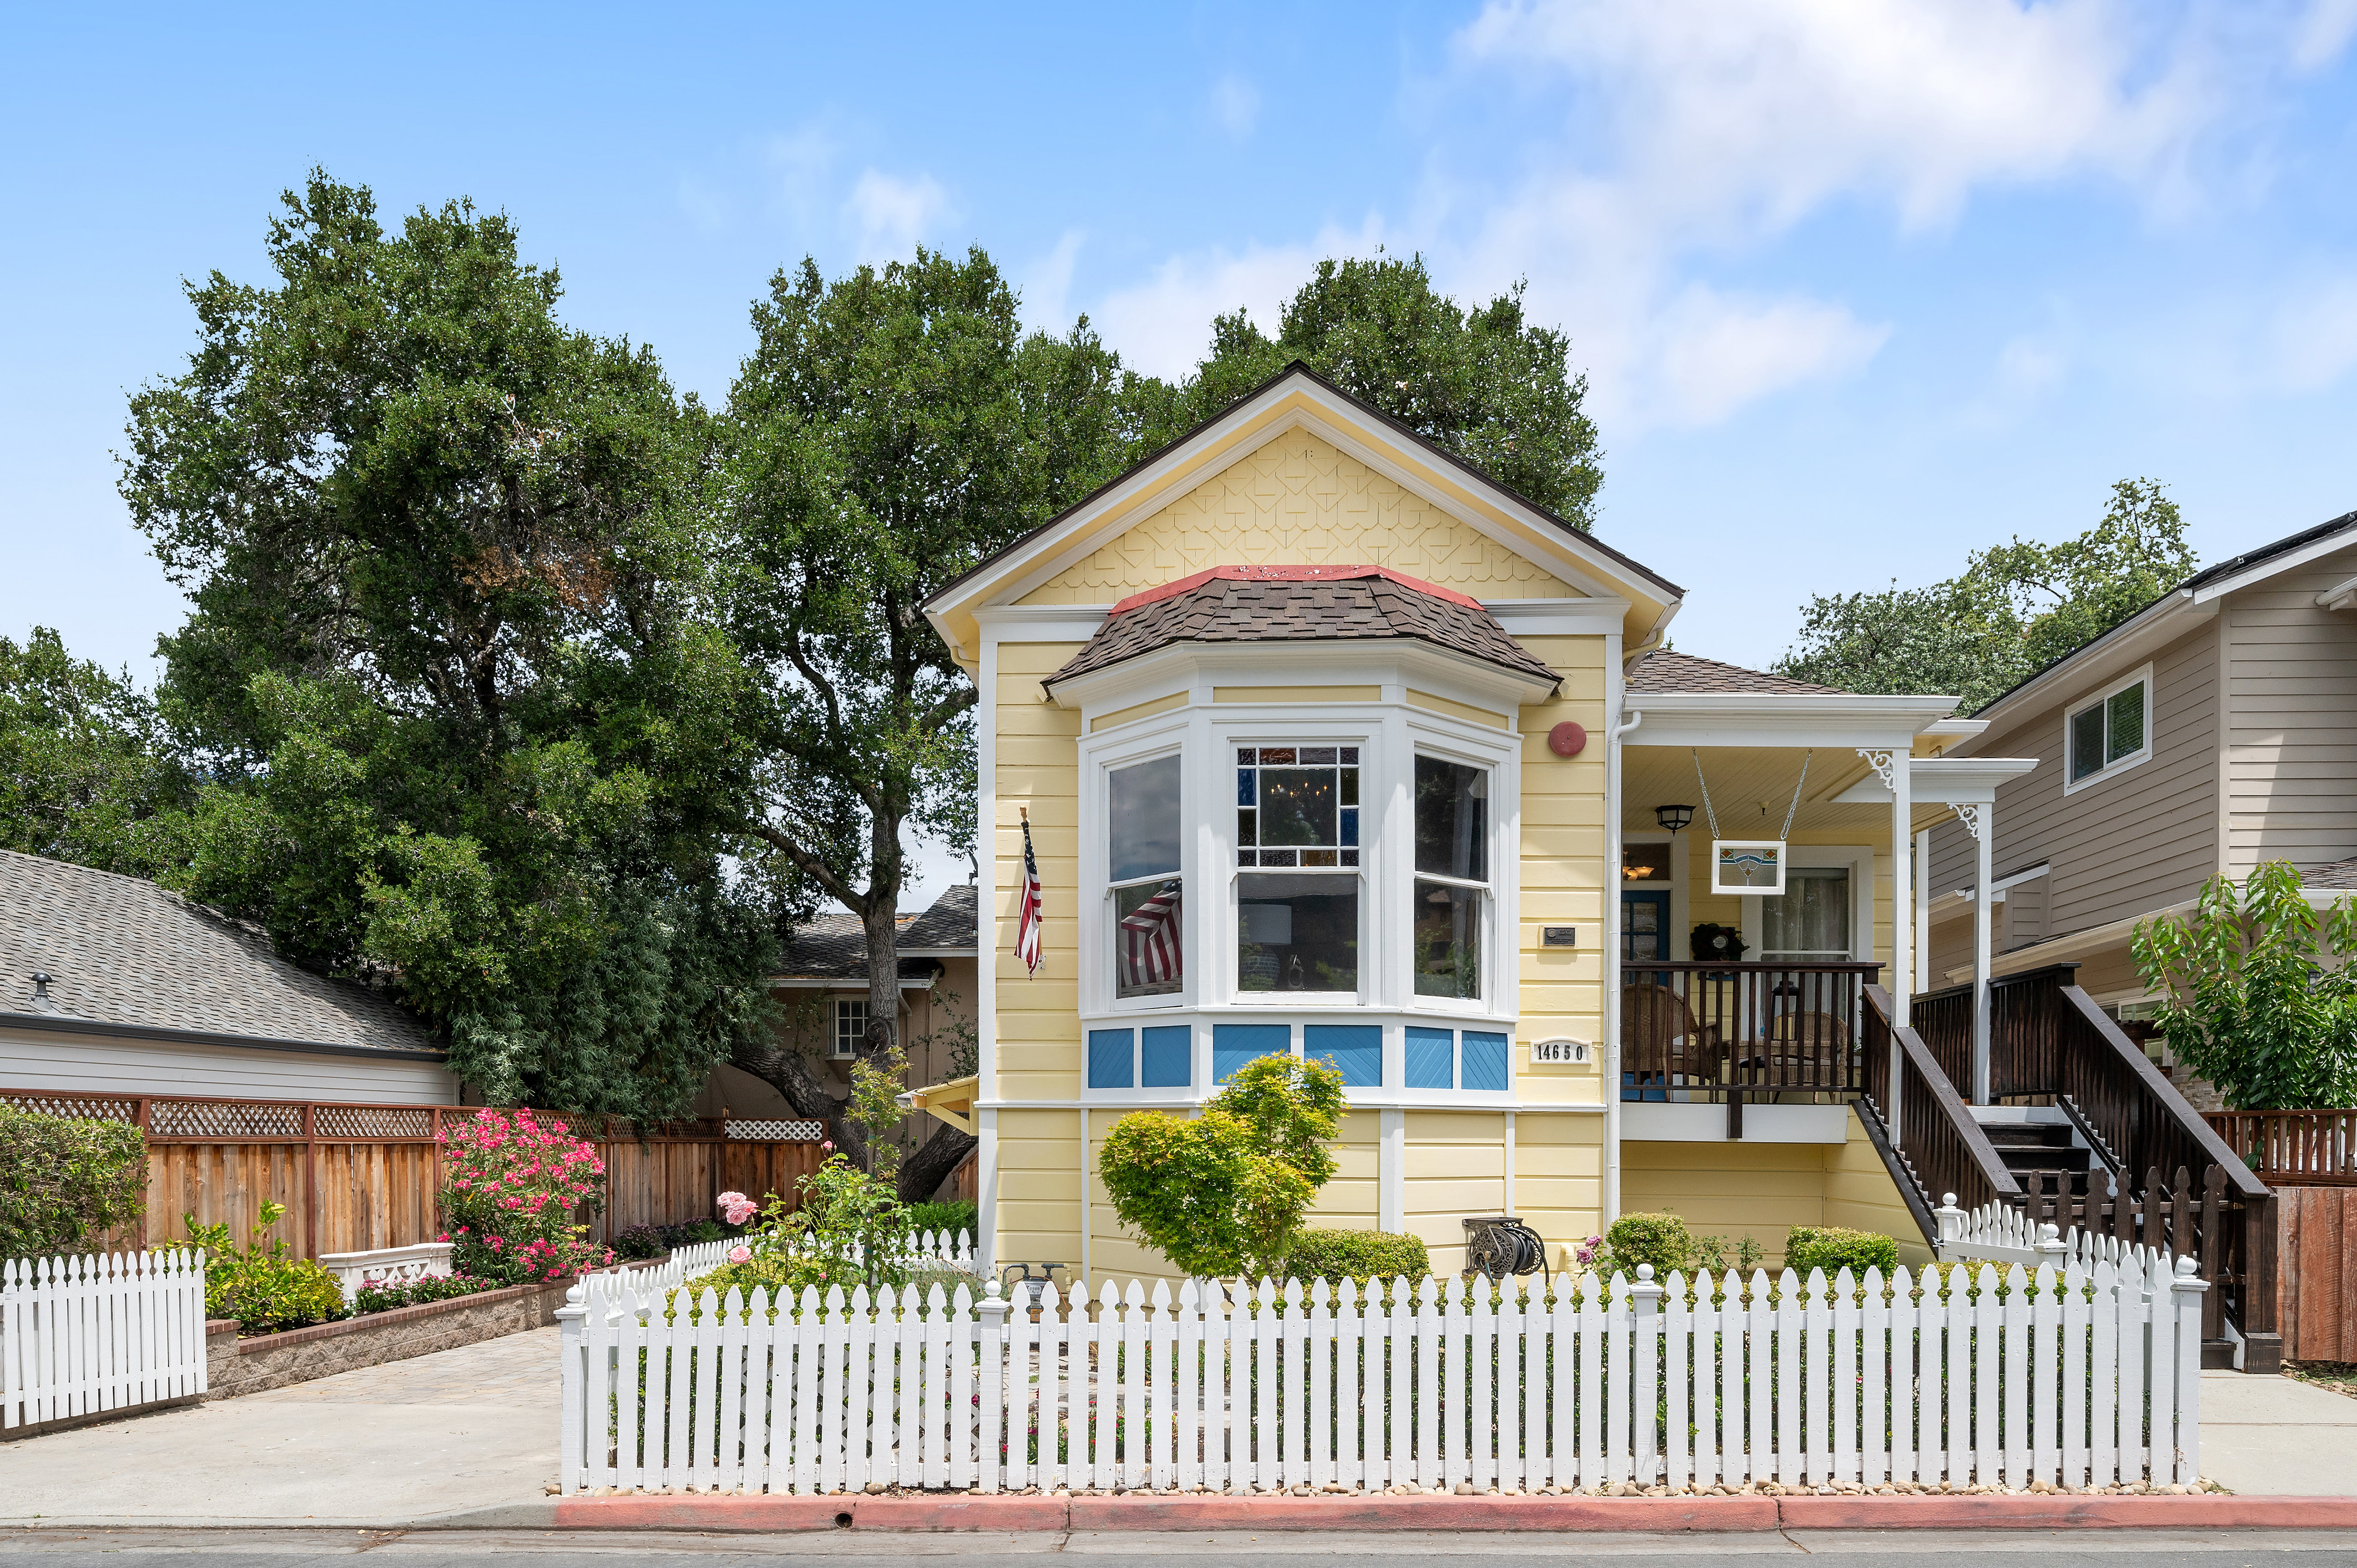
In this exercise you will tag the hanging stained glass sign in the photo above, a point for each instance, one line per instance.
(1747, 866)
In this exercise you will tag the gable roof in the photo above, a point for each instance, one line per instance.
(1259, 415)
(121, 951)
(1300, 604)
(1663, 671)
(833, 944)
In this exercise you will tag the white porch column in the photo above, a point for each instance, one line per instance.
(1981, 823)
(1923, 905)
(1902, 879)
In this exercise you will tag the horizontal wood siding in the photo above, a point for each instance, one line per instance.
(2120, 847)
(2292, 762)
(93, 1064)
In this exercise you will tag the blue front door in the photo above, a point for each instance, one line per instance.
(1645, 927)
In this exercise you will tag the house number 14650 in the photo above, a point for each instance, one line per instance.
(1559, 1053)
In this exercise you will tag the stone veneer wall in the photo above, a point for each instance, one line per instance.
(235, 1364)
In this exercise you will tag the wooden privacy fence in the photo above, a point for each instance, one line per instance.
(2295, 1148)
(86, 1335)
(357, 1178)
(2090, 1379)
(2320, 1272)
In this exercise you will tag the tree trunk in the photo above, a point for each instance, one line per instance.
(788, 1073)
(930, 1165)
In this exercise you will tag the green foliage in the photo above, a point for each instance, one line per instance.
(64, 1183)
(466, 730)
(262, 1286)
(875, 1083)
(89, 772)
(946, 1219)
(511, 1185)
(2261, 998)
(1834, 1248)
(372, 1297)
(2015, 609)
(1357, 1256)
(1227, 1191)
(1660, 1240)
(1710, 1253)
(852, 1221)
(1485, 384)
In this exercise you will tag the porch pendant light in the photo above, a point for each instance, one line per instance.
(1750, 867)
(1674, 818)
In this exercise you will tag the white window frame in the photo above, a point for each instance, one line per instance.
(1487, 887)
(1681, 848)
(838, 1003)
(1097, 950)
(1376, 774)
(2109, 770)
(1858, 860)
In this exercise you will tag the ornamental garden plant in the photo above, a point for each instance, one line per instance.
(65, 1183)
(512, 1187)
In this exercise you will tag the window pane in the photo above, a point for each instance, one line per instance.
(1431, 1059)
(1297, 933)
(2086, 742)
(1147, 959)
(1447, 938)
(1812, 917)
(1355, 1049)
(1144, 816)
(1644, 862)
(1109, 1058)
(1296, 806)
(1452, 819)
(2126, 725)
(850, 1025)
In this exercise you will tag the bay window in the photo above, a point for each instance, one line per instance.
(1143, 838)
(1297, 909)
(1452, 878)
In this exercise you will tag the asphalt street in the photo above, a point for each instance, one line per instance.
(486, 1549)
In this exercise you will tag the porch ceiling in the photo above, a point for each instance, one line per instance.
(1752, 787)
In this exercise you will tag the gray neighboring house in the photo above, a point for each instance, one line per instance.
(149, 993)
(2214, 730)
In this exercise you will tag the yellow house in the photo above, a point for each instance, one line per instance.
(1330, 745)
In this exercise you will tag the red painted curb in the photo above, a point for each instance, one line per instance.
(638, 1511)
(955, 1512)
(2040, 1512)
(1444, 1511)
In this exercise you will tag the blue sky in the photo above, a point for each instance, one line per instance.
(1858, 286)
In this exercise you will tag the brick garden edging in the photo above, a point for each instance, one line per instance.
(236, 1364)
(974, 1511)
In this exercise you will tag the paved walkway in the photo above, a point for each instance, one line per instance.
(458, 1429)
(2277, 1436)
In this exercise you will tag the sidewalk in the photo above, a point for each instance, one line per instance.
(2277, 1436)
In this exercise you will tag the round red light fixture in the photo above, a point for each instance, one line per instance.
(1566, 739)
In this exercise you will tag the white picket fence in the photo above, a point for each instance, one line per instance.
(1998, 1233)
(2091, 1378)
(83, 1336)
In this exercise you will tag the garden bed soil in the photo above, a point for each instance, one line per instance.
(248, 1364)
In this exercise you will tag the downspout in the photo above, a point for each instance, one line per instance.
(1610, 1051)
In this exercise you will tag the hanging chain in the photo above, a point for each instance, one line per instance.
(1706, 809)
(1786, 835)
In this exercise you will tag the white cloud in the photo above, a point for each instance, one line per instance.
(891, 214)
(1163, 325)
(1711, 354)
(1235, 105)
(1047, 285)
(2323, 33)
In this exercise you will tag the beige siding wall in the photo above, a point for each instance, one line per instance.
(2121, 846)
(1038, 1026)
(1762, 1191)
(1565, 880)
(2292, 763)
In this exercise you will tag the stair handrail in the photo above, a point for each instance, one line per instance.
(1982, 1160)
(2156, 1083)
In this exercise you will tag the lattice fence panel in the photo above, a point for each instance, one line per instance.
(776, 1132)
(373, 1122)
(76, 1108)
(224, 1119)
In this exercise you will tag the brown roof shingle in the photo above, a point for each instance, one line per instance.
(1273, 606)
(1665, 671)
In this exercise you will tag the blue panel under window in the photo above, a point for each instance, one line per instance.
(1356, 1049)
(1232, 1045)
(1110, 1064)
(1485, 1061)
(1429, 1058)
(1167, 1056)
(1350, 824)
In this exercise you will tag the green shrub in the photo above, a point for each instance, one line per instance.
(1358, 1255)
(949, 1218)
(1660, 1240)
(64, 1183)
(1833, 1249)
(1710, 1253)
(372, 1297)
(261, 1288)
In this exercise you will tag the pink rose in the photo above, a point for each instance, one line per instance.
(740, 1254)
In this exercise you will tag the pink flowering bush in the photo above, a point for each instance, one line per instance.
(511, 1185)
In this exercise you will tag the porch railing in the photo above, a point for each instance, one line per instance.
(1921, 1123)
(2292, 1148)
(1737, 1031)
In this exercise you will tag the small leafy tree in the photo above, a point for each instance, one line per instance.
(65, 1182)
(1227, 1192)
(2260, 999)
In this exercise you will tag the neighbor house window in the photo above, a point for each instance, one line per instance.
(850, 1025)
(1298, 813)
(1143, 863)
(1452, 876)
(2111, 730)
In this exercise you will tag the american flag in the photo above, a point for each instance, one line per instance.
(1149, 939)
(1026, 935)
